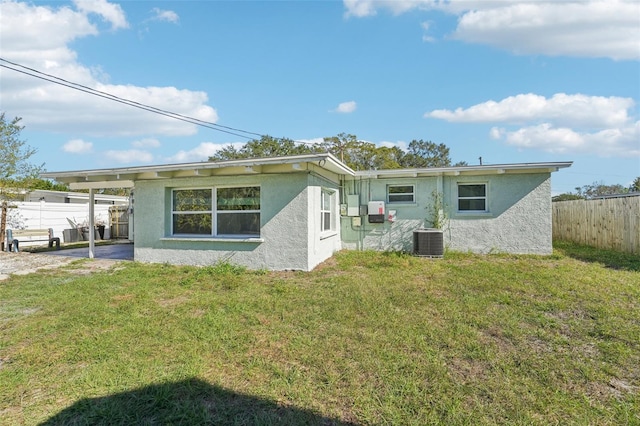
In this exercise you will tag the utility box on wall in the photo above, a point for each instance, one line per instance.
(353, 205)
(376, 211)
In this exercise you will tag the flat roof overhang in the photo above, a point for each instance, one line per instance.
(483, 170)
(125, 177)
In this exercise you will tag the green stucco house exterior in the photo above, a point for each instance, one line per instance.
(292, 213)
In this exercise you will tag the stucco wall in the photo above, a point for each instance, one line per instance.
(284, 234)
(519, 218)
(518, 221)
(322, 244)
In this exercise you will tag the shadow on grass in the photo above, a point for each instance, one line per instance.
(188, 402)
(610, 258)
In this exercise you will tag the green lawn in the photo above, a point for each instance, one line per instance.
(366, 338)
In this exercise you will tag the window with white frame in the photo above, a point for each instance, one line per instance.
(233, 211)
(401, 193)
(327, 203)
(472, 197)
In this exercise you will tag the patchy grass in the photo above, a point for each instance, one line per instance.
(366, 338)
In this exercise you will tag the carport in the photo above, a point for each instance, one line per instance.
(91, 181)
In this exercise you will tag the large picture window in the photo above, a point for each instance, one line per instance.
(472, 197)
(216, 211)
(400, 194)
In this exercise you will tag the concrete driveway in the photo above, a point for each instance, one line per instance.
(119, 251)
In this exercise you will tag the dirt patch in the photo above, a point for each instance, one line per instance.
(24, 263)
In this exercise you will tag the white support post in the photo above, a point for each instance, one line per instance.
(92, 225)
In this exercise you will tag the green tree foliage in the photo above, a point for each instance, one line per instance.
(422, 154)
(47, 185)
(16, 172)
(355, 153)
(265, 147)
(597, 189)
(567, 196)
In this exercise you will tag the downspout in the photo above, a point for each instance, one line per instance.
(92, 232)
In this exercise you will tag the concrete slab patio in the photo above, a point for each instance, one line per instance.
(112, 251)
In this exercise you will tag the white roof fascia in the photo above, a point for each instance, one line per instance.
(124, 176)
(466, 170)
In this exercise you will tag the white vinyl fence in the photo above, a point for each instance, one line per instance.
(44, 215)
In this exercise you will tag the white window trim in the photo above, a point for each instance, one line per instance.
(413, 193)
(325, 233)
(214, 236)
(472, 212)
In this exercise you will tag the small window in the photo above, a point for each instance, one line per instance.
(327, 210)
(472, 197)
(401, 193)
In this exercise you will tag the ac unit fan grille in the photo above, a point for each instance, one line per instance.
(428, 242)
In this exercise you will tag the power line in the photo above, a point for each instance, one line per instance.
(76, 86)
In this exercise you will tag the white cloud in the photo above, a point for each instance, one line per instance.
(426, 37)
(78, 146)
(110, 12)
(40, 36)
(399, 144)
(346, 107)
(201, 152)
(362, 8)
(164, 15)
(584, 28)
(128, 156)
(619, 142)
(146, 143)
(571, 110)
(562, 123)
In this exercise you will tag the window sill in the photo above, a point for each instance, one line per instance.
(328, 234)
(402, 204)
(473, 214)
(216, 239)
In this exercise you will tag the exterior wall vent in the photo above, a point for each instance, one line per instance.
(428, 242)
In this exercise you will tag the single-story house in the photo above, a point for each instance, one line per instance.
(295, 212)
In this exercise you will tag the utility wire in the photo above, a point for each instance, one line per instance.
(60, 81)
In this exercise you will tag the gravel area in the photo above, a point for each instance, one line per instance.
(25, 263)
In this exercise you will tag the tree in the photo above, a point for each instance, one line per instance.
(359, 155)
(598, 189)
(567, 196)
(16, 172)
(355, 153)
(422, 154)
(265, 147)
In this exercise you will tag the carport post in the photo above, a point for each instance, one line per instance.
(92, 232)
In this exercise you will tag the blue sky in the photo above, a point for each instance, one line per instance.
(508, 81)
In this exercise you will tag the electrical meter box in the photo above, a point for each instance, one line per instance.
(353, 205)
(375, 209)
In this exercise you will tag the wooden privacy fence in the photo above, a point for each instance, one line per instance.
(610, 223)
(119, 221)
